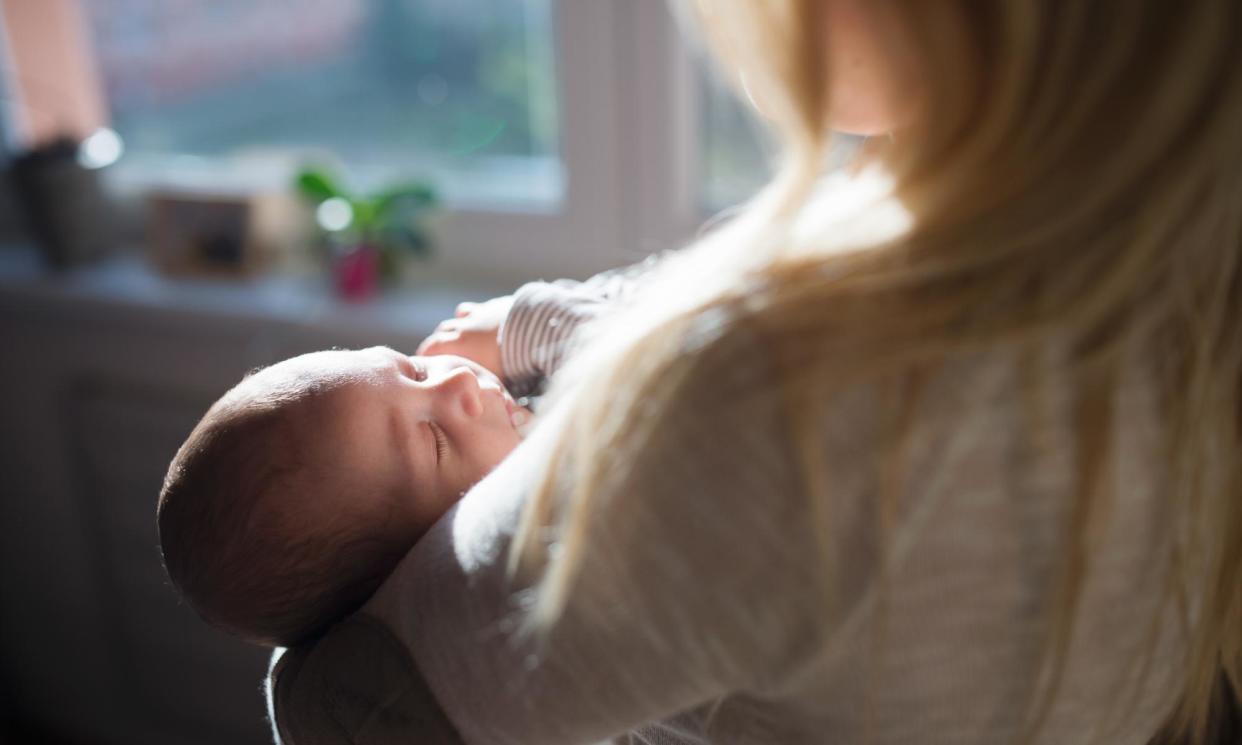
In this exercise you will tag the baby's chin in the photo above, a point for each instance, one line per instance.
(423, 524)
(522, 420)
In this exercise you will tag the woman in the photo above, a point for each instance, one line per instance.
(945, 451)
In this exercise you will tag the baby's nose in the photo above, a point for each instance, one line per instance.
(462, 386)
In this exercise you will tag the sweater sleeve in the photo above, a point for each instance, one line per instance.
(539, 328)
(694, 584)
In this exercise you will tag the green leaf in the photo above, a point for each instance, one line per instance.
(406, 199)
(407, 238)
(365, 214)
(316, 185)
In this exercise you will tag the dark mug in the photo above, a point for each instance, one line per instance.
(62, 202)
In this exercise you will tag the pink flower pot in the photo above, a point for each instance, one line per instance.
(357, 273)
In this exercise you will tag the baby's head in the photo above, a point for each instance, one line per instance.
(303, 486)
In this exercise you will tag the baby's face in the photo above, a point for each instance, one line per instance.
(420, 429)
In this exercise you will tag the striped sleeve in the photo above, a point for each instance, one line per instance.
(538, 330)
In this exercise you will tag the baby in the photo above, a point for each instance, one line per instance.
(304, 485)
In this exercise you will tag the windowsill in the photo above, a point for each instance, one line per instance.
(506, 185)
(128, 283)
(502, 236)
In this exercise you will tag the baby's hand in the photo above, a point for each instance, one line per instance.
(473, 333)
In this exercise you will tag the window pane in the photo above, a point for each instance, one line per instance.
(460, 91)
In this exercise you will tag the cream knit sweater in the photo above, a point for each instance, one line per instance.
(701, 613)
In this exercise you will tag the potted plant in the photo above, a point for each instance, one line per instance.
(367, 236)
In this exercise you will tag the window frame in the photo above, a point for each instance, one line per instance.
(629, 120)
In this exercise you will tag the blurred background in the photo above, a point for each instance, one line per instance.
(193, 188)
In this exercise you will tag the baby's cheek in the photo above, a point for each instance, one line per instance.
(487, 459)
(504, 447)
(471, 473)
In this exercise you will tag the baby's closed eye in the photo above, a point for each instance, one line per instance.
(441, 440)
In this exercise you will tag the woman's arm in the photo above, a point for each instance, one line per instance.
(687, 593)
(356, 685)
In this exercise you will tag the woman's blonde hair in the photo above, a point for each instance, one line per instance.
(1076, 171)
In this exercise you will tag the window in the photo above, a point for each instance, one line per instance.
(568, 136)
(459, 91)
(735, 154)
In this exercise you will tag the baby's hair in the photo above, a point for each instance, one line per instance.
(236, 546)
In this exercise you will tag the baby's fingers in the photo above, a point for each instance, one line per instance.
(465, 309)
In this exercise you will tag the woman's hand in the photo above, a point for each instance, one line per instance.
(473, 333)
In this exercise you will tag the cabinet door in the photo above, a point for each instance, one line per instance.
(172, 672)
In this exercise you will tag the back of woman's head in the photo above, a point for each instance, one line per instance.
(1063, 168)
